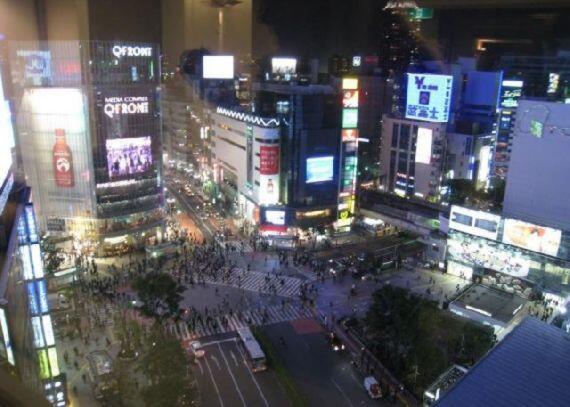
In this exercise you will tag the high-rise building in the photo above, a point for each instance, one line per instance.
(536, 188)
(412, 158)
(88, 115)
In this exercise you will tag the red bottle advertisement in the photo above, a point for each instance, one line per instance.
(62, 161)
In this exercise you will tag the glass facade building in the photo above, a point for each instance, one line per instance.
(90, 129)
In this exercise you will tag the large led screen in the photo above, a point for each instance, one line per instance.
(284, 66)
(532, 237)
(128, 156)
(218, 67)
(320, 169)
(429, 97)
(423, 145)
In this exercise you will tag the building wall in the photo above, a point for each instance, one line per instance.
(460, 160)
(537, 185)
(18, 20)
(230, 139)
(400, 171)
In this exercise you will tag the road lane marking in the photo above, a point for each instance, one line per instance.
(215, 359)
(234, 358)
(343, 393)
(253, 378)
(232, 375)
(200, 366)
(214, 382)
(220, 341)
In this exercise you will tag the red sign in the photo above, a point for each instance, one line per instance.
(269, 160)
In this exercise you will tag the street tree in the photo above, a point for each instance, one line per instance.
(159, 292)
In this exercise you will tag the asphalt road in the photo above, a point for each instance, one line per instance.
(326, 377)
(189, 204)
(225, 380)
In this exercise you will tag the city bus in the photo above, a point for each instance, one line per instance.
(255, 357)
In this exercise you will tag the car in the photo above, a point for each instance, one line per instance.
(372, 387)
(195, 348)
(335, 343)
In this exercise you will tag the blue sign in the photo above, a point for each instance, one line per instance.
(33, 299)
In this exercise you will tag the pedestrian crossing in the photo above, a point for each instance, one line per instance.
(284, 286)
(102, 314)
(232, 322)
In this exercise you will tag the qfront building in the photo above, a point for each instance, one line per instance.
(89, 126)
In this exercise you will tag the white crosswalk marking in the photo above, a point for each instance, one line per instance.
(284, 286)
(275, 314)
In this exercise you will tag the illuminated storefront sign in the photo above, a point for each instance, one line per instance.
(125, 105)
(349, 153)
(429, 97)
(128, 51)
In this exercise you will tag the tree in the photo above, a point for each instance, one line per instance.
(167, 369)
(158, 291)
(53, 257)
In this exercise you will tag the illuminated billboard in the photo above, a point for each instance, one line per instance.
(128, 156)
(349, 135)
(269, 160)
(478, 223)
(320, 169)
(532, 237)
(284, 66)
(218, 67)
(429, 97)
(275, 217)
(423, 145)
(54, 133)
(349, 83)
(350, 98)
(349, 118)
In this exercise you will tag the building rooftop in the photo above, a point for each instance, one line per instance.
(499, 304)
(528, 368)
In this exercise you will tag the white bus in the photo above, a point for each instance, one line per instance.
(254, 354)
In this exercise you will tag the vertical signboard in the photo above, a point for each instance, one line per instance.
(429, 97)
(348, 153)
(269, 174)
(509, 95)
(249, 156)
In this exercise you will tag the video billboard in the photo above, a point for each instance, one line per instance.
(429, 97)
(538, 239)
(423, 145)
(320, 169)
(218, 67)
(478, 223)
(128, 156)
(284, 66)
(275, 217)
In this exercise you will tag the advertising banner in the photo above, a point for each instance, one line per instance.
(55, 136)
(218, 67)
(429, 97)
(350, 99)
(532, 237)
(476, 223)
(268, 160)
